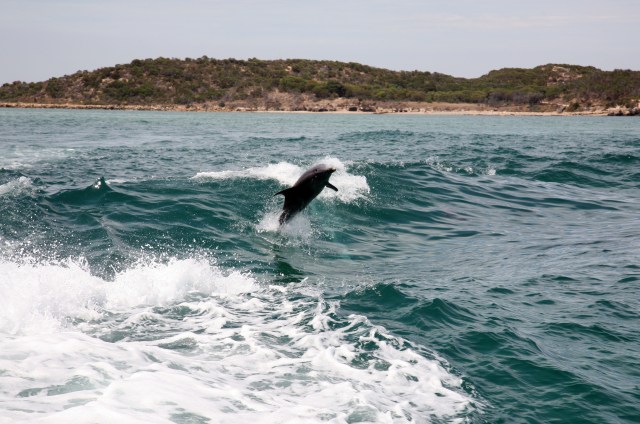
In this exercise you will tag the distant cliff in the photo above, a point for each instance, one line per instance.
(294, 84)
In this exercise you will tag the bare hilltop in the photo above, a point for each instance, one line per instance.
(297, 85)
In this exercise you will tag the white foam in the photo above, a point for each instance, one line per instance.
(19, 156)
(298, 228)
(16, 186)
(117, 181)
(43, 298)
(350, 187)
(38, 298)
(165, 283)
(269, 222)
(434, 162)
(284, 172)
(197, 343)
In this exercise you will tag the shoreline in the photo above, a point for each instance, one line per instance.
(443, 109)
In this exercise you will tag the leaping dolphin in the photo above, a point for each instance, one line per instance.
(308, 186)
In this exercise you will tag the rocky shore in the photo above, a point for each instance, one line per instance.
(347, 106)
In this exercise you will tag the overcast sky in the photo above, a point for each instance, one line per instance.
(40, 39)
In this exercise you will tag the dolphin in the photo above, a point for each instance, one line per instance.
(308, 186)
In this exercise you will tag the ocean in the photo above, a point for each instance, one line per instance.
(468, 270)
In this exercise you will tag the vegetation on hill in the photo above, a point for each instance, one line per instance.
(205, 80)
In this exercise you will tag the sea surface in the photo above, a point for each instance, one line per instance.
(468, 270)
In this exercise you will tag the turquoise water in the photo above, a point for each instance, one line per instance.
(470, 269)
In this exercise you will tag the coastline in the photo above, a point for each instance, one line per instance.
(454, 109)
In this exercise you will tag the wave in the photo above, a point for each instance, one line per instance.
(350, 187)
(292, 139)
(183, 340)
(435, 163)
(284, 172)
(601, 171)
(98, 192)
(18, 156)
(389, 136)
(117, 181)
(69, 291)
(476, 168)
(17, 186)
(622, 158)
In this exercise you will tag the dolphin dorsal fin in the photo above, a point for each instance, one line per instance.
(285, 192)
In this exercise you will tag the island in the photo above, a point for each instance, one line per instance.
(299, 85)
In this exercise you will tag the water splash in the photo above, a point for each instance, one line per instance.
(183, 340)
(16, 186)
(350, 187)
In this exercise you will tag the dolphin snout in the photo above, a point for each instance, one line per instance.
(332, 170)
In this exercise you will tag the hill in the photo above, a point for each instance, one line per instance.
(297, 84)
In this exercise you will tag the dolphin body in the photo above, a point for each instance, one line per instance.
(308, 186)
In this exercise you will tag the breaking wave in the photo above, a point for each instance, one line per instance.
(182, 340)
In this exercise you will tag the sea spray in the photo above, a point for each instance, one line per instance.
(182, 338)
(350, 187)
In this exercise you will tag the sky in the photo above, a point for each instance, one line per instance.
(40, 39)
